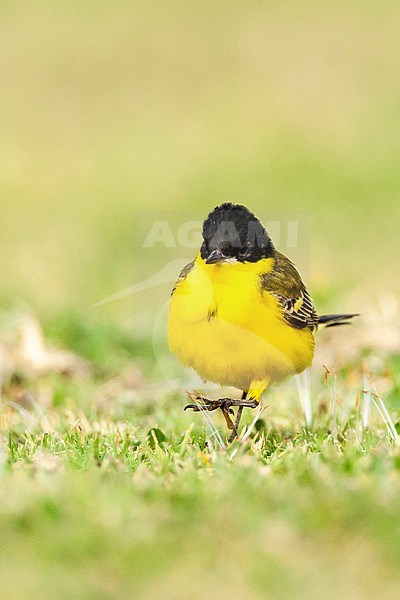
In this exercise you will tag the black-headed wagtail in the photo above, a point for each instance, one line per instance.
(240, 314)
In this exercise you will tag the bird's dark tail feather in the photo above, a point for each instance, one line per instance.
(334, 320)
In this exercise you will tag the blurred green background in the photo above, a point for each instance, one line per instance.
(109, 108)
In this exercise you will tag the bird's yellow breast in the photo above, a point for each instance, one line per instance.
(223, 325)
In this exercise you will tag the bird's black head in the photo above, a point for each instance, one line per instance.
(232, 232)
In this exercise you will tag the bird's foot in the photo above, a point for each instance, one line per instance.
(203, 403)
(225, 404)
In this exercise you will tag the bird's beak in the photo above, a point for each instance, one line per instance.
(215, 256)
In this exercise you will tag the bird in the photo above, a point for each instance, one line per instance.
(240, 314)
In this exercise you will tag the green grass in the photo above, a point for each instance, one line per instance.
(97, 515)
(111, 491)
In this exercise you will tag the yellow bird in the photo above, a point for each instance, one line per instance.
(240, 314)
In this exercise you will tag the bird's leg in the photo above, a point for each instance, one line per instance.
(235, 430)
(203, 403)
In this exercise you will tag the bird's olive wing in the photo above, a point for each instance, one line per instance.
(285, 284)
(182, 275)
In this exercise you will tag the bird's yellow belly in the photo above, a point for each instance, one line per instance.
(231, 334)
(231, 355)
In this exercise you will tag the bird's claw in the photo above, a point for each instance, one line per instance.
(193, 407)
(203, 403)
